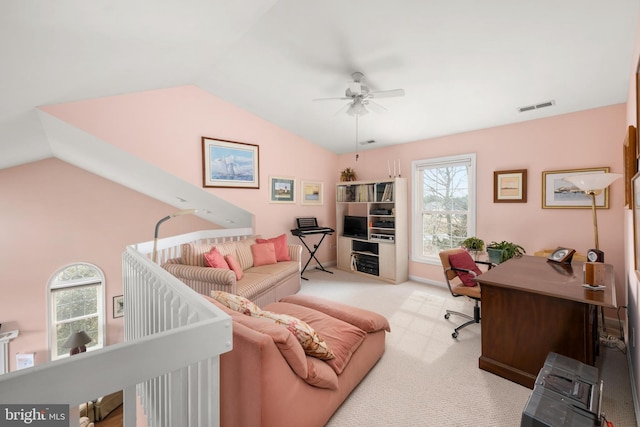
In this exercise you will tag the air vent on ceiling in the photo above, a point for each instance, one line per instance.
(537, 106)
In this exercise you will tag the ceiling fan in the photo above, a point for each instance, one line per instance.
(362, 98)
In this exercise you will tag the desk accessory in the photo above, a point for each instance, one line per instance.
(593, 273)
(562, 255)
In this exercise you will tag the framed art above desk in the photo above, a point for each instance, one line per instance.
(531, 307)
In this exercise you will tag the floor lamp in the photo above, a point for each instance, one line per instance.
(593, 184)
(166, 218)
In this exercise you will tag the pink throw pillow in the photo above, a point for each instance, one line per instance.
(215, 259)
(280, 243)
(464, 260)
(235, 266)
(263, 254)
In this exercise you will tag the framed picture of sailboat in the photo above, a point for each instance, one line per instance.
(230, 164)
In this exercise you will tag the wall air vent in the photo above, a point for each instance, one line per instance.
(537, 106)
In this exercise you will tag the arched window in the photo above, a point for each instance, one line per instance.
(76, 303)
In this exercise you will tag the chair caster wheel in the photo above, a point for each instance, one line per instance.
(446, 316)
(454, 335)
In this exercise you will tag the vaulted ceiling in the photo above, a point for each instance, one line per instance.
(463, 64)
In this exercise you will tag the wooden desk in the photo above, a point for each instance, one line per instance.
(531, 307)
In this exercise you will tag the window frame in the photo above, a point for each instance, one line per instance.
(53, 287)
(417, 166)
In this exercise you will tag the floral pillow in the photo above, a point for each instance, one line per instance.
(311, 342)
(236, 303)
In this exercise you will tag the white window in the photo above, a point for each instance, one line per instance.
(443, 205)
(76, 303)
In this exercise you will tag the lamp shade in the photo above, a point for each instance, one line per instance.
(77, 339)
(593, 181)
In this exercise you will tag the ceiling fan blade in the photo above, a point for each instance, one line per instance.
(387, 93)
(375, 107)
(342, 98)
(342, 109)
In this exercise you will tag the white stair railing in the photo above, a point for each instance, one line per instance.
(170, 357)
(156, 303)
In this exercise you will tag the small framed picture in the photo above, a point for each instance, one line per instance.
(510, 186)
(558, 193)
(282, 190)
(118, 306)
(311, 193)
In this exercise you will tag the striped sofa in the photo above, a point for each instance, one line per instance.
(263, 285)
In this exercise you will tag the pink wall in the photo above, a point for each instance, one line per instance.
(164, 127)
(585, 139)
(53, 214)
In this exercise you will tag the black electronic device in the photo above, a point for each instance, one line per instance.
(564, 389)
(308, 226)
(380, 211)
(355, 226)
(384, 224)
(595, 255)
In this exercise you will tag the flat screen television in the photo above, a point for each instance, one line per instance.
(355, 226)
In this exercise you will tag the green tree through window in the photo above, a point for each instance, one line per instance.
(443, 205)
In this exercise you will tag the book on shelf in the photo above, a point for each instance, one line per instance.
(387, 194)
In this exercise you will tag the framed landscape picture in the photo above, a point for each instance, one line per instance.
(282, 190)
(230, 164)
(311, 193)
(510, 186)
(558, 193)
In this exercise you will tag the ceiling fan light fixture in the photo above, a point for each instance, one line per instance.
(357, 109)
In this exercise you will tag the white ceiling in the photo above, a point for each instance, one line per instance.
(463, 64)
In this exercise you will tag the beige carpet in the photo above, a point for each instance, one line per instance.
(426, 378)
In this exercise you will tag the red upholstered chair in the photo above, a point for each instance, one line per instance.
(459, 272)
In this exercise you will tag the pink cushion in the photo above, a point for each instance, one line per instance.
(263, 254)
(366, 320)
(464, 260)
(215, 259)
(342, 338)
(320, 374)
(235, 266)
(281, 246)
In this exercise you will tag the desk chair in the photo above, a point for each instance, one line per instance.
(459, 271)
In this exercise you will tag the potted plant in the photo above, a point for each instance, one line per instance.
(501, 251)
(473, 244)
(348, 174)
